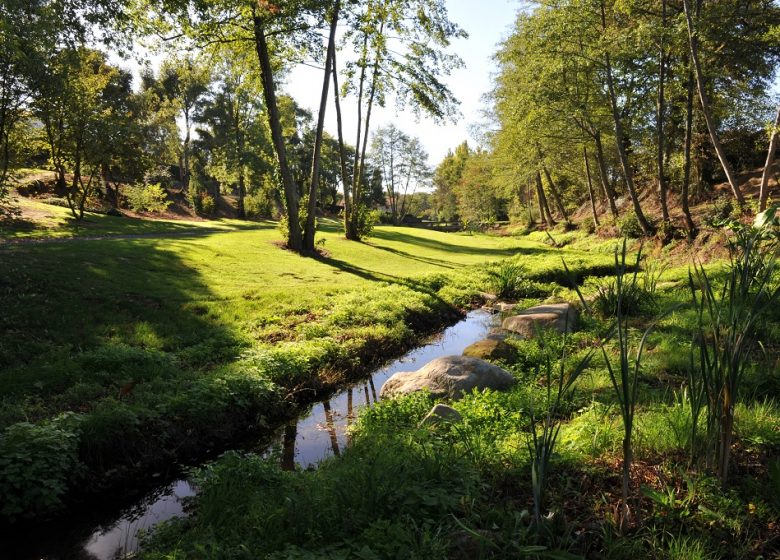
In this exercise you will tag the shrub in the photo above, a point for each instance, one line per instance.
(507, 279)
(37, 465)
(629, 226)
(208, 206)
(149, 198)
(258, 206)
(588, 225)
(366, 220)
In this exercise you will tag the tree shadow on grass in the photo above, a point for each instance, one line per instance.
(437, 245)
(102, 314)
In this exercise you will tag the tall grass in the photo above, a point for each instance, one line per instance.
(545, 430)
(728, 331)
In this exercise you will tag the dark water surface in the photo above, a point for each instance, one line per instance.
(317, 434)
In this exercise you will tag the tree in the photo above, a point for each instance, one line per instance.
(774, 141)
(81, 101)
(403, 164)
(446, 176)
(410, 71)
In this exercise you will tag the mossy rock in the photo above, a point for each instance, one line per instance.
(491, 349)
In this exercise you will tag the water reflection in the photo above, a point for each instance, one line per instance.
(316, 441)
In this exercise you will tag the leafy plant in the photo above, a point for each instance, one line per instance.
(507, 278)
(726, 335)
(148, 198)
(629, 226)
(37, 465)
(545, 430)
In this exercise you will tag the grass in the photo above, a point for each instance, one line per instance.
(465, 490)
(166, 346)
(41, 221)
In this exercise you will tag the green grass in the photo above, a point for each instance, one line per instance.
(463, 491)
(42, 221)
(166, 346)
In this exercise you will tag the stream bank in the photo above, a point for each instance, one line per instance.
(320, 432)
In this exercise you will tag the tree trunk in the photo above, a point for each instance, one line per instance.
(342, 152)
(357, 190)
(294, 238)
(628, 174)
(185, 172)
(544, 209)
(590, 187)
(774, 140)
(705, 105)
(659, 123)
(311, 211)
(609, 192)
(556, 195)
(687, 159)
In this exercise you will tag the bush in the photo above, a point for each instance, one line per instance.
(636, 300)
(208, 206)
(629, 226)
(588, 225)
(148, 198)
(366, 220)
(37, 465)
(506, 279)
(258, 206)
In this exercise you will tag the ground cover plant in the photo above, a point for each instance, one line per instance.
(468, 489)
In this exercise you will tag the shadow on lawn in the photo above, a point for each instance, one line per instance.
(438, 245)
(102, 314)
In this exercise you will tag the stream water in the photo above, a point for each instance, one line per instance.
(317, 434)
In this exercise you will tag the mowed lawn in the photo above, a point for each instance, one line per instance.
(200, 297)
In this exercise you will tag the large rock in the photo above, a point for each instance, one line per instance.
(491, 349)
(561, 317)
(449, 377)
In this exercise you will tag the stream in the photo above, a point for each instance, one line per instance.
(320, 432)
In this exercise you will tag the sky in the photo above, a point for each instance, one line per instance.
(487, 22)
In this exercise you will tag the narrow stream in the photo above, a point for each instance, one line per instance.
(319, 433)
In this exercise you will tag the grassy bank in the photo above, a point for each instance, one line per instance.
(122, 356)
(465, 490)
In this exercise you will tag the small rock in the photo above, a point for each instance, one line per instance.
(561, 317)
(488, 297)
(449, 377)
(491, 349)
(498, 334)
(441, 413)
(504, 307)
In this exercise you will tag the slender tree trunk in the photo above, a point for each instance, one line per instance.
(590, 186)
(311, 211)
(774, 140)
(687, 159)
(294, 238)
(693, 43)
(628, 174)
(342, 151)
(556, 194)
(544, 208)
(609, 192)
(660, 113)
(185, 172)
(358, 182)
(351, 219)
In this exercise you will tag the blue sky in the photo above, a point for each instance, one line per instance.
(487, 23)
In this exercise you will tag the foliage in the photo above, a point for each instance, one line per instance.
(148, 198)
(729, 329)
(542, 443)
(506, 279)
(37, 465)
(629, 226)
